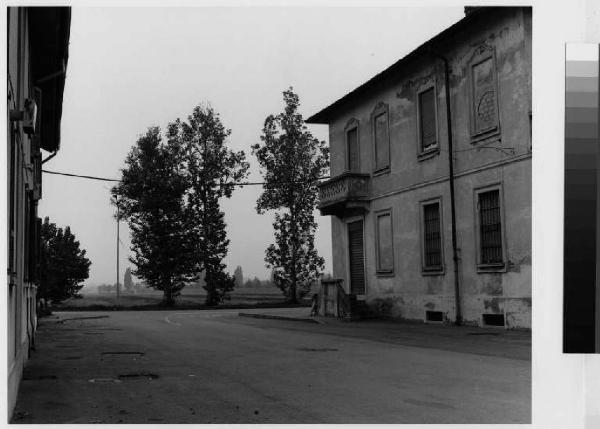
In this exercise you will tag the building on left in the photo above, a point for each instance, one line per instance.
(37, 55)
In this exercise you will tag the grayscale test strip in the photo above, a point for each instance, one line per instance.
(581, 237)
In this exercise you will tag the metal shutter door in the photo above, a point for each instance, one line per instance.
(357, 259)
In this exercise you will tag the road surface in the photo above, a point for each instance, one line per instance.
(218, 367)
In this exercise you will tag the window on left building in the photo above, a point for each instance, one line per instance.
(385, 250)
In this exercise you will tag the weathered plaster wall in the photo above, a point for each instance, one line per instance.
(20, 292)
(502, 159)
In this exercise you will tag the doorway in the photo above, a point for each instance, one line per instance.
(356, 257)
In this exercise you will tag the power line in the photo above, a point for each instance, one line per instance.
(104, 179)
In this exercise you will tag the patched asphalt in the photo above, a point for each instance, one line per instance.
(218, 367)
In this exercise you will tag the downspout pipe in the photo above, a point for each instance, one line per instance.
(455, 258)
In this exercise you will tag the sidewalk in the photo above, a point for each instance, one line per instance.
(515, 344)
(300, 314)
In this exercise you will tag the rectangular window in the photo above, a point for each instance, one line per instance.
(12, 202)
(427, 120)
(356, 257)
(490, 227)
(26, 232)
(432, 237)
(352, 149)
(32, 240)
(385, 251)
(382, 143)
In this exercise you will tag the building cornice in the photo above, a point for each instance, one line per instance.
(445, 178)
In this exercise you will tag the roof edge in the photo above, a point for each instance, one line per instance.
(324, 115)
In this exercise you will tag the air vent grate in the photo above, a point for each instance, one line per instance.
(493, 319)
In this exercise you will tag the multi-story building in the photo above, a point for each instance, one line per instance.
(38, 39)
(430, 194)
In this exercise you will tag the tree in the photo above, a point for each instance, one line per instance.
(63, 265)
(107, 288)
(211, 168)
(139, 287)
(291, 162)
(151, 197)
(127, 281)
(238, 275)
(253, 283)
(200, 282)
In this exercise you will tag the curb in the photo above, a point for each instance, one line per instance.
(276, 317)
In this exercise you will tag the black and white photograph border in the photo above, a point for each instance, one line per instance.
(425, 277)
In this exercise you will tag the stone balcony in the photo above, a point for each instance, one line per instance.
(345, 194)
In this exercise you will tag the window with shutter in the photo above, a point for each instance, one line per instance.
(382, 147)
(37, 249)
(352, 162)
(381, 137)
(32, 238)
(12, 202)
(385, 250)
(26, 233)
(357, 258)
(427, 120)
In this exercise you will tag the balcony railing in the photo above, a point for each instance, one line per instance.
(345, 193)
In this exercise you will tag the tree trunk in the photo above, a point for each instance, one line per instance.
(168, 295)
(293, 299)
(210, 290)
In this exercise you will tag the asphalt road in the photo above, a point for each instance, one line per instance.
(217, 367)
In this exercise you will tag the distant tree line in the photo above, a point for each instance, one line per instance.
(264, 283)
(136, 288)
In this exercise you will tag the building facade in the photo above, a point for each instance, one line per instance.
(430, 189)
(37, 56)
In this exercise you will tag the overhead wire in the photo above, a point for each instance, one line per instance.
(105, 179)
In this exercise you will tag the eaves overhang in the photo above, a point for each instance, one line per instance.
(472, 14)
(49, 33)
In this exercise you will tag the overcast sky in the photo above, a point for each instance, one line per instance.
(131, 68)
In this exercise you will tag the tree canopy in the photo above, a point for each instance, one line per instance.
(150, 197)
(169, 194)
(291, 161)
(63, 265)
(210, 167)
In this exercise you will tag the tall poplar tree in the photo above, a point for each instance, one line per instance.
(291, 162)
(150, 196)
(211, 168)
(238, 275)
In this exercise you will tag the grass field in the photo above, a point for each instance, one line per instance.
(190, 298)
